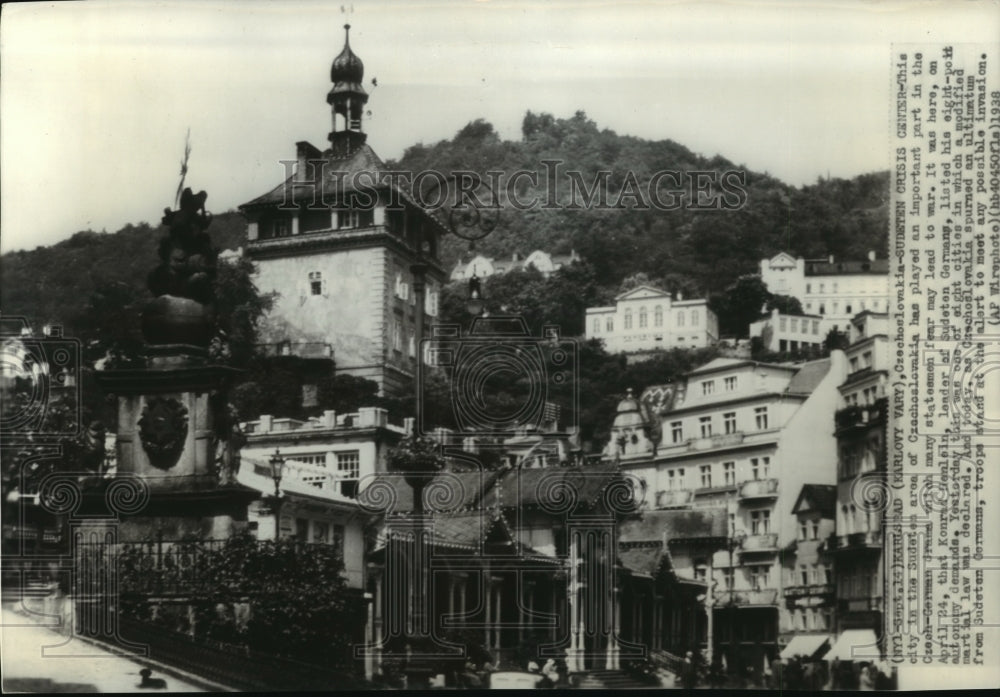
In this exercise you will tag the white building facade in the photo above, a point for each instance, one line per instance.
(790, 333)
(744, 436)
(327, 461)
(836, 290)
(647, 318)
(482, 266)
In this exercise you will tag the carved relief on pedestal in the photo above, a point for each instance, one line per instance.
(163, 430)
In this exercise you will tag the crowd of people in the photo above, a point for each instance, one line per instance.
(795, 673)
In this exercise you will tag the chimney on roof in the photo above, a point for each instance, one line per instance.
(329, 418)
(871, 255)
(831, 258)
(680, 295)
(515, 257)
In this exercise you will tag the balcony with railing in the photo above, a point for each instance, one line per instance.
(674, 497)
(854, 541)
(818, 590)
(766, 543)
(304, 349)
(759, 489)
(753, 598)
(719, 440)
(861, 416)
(859, 604)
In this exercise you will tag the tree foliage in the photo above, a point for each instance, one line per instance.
(299, 603)
(705, 249)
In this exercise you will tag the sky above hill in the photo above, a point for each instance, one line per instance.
(97, 97)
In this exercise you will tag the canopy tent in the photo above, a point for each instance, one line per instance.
(855, 645)
(809, 645)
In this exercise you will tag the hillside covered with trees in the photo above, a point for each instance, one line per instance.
(94, 283)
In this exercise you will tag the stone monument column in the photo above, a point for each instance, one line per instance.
(175, 430)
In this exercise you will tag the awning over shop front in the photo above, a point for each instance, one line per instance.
(808, 645)
(855, 645)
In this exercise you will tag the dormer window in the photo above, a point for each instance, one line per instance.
(353, 218)
(347, 218)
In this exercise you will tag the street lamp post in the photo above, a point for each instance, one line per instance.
(277, 463)
(475, 302)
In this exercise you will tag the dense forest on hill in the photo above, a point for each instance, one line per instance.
(705, 250)
(94, 283)
(698, 251)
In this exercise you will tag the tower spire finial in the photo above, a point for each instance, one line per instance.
(347, 99)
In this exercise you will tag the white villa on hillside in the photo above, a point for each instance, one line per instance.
(647, 318)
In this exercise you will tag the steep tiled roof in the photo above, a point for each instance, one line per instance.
(363, 166)
(822, 497)
(808, 377)
(675, 526)
(451, 491)
(547, 487)
(643, 558)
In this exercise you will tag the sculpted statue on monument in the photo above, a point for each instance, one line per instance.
(182, 311)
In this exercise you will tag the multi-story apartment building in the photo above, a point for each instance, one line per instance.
(326, 461)
(647, 318)
(861, 469)
(744, 436)
(837, 290)
(345, 249)
(809, 575)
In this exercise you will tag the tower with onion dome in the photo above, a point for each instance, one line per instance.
(347, 99)
(350, 255)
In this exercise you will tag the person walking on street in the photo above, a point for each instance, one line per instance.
(865, 682)
(689, 675)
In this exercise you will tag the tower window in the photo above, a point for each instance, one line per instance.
(676, 431)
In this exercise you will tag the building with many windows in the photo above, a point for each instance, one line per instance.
(327, 460)
(809, 575)
(836, 290)
(861, 470)
(745, 437)
(783, 333)
(647, 318)
(340, 243)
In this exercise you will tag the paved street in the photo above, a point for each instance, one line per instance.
(67, 665)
